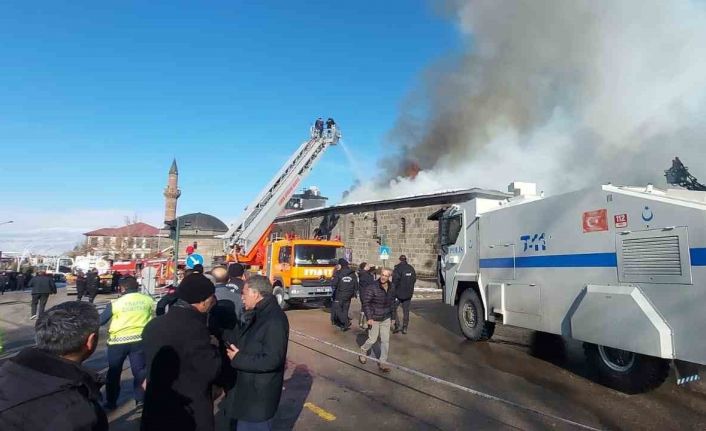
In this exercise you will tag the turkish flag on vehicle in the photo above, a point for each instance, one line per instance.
(595, 221)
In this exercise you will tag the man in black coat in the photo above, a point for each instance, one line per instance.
(45, 388)
(3, 282)
(80, 285)
(93, 282)
(42, 286)
(365, 279)
(182, 363)
(403, 278)
(258, 354)
(345, 285)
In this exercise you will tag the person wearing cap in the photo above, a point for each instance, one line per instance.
(345, 284)
(128, 316)
(182, 363)
(403, 278)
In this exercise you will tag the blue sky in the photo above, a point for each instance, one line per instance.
(97, 97)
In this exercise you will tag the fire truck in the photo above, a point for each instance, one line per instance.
(300, 269)
(622, 269)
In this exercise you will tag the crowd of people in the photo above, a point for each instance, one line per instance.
(216, 334)
(381, 294)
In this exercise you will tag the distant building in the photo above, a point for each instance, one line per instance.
(134, 241)
(308, 199)
(201, 229)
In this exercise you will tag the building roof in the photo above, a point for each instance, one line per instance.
(174, 169)
(411, 199)
(135, 229)
(201, 221)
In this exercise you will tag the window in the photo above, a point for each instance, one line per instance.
(315, 255)
(450, 228)
(403, 225)
(94, 241)
(375, 228)
(285, 254)
(351, 230)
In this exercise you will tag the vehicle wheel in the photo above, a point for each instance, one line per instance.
(471, 317)
(278, 292)
(628, 372)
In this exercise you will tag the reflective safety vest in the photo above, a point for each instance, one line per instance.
(131, 312)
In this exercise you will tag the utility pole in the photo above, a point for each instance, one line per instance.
(176, 252)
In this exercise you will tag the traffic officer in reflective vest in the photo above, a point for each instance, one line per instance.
(128, 316)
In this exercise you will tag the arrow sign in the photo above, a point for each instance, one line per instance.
(193, 260)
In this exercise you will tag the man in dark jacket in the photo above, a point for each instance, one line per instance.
(181, 362)
(377, 306)
(319, 127)
(93, 282)
(80, 285)
(345, 284)
(3, 282)
(403, 278)
(365, 279)
(21, 281)
(42, 286)
(45, 388)
(258, 355)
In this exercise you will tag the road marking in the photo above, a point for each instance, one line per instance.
(451, 384)
(318, 411)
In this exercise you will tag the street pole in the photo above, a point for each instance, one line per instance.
(176, 252)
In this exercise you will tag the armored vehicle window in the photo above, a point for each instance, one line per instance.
(450, 227)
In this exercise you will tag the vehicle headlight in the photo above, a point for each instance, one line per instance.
(295, 291)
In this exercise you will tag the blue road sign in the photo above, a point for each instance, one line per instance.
(385, 252)
(193, 260)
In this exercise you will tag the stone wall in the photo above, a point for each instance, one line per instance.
(405, 229)
(208, 246)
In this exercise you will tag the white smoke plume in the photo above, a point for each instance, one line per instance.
(563, 93)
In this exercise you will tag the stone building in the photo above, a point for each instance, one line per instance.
(201, 229)
(134, 241)
(398, 223)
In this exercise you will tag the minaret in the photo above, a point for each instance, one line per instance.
(171, 193)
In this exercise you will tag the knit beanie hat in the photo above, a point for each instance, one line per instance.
(195, 288)
(343, 262)
(235, 270)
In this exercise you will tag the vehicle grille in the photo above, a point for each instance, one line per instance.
(656, 256)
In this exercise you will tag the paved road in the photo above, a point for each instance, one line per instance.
(443, 381)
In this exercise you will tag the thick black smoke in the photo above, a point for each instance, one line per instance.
(563, 93)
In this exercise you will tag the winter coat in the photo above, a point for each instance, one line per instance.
(42, 284)
(181, 366)
(93, 281)
(81, 283)
(345, 283)
(404, 277)
(259, 364)
(377, 303)
(365, 279)
(41, 391)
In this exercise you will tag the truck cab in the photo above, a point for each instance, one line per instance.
(301, 269)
